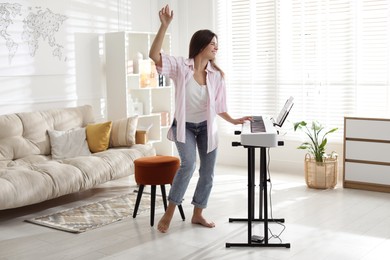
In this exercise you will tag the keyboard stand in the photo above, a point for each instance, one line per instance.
(254, 240)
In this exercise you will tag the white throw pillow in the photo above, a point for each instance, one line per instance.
(67, 144)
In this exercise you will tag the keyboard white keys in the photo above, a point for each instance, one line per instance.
(268, 138)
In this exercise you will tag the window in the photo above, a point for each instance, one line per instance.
(333, 56)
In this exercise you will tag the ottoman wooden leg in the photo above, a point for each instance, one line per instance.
(152, 204)
(164, 196)
(181, 212)
(137, 202)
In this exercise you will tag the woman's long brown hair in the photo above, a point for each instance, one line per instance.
(199, 41)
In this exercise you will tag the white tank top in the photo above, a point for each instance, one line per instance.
(196, 101)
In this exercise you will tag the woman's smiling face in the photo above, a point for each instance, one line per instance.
(210, 51)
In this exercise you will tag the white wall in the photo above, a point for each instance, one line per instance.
(193, 15)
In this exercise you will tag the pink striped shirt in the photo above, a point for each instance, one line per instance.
(180, 70)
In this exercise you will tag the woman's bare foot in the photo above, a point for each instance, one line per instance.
(197, 218)
(202, 221)
(165, 221)
(163, 224)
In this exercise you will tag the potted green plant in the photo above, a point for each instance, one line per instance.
(320, 168)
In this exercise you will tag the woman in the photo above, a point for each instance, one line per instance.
(200, 95)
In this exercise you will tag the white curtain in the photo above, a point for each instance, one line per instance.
(333, 56)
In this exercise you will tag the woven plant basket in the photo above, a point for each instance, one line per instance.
(321, 175)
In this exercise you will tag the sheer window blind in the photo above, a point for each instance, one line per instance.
(331, 55)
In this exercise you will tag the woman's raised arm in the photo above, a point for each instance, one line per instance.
(166, 17)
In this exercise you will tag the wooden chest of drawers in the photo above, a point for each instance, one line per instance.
(366, 161)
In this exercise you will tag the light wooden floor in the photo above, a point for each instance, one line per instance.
(320, 224)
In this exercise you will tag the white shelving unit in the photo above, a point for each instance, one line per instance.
(125, 84)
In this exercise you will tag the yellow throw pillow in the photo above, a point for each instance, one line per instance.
(98, 136)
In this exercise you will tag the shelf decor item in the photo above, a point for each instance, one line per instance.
(321, 169)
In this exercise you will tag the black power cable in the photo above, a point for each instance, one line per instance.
(277, 236)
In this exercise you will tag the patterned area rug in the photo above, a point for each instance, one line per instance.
(96, 214)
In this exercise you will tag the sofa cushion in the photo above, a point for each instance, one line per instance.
(98, 136)
(16, 147)
(24, 185)
(123, 132)
(30, 159)
(12, 143)
(69, 143)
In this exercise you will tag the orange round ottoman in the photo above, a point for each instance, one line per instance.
(153, 171)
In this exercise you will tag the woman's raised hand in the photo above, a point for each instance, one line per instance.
(165, 15)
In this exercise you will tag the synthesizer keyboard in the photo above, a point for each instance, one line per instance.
(262, 135)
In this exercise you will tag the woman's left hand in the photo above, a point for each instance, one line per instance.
(236, 121)
(242, 120)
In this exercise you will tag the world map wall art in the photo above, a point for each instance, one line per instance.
(31, 35)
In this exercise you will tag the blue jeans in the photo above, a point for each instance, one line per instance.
(196, 137)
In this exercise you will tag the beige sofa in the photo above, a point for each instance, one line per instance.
(29, 171)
